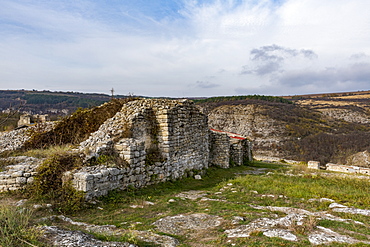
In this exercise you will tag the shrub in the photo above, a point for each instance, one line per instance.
(49, 185)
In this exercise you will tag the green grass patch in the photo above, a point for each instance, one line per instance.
(16, 229)
(232, 194)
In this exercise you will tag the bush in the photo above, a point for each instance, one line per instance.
(49, 185)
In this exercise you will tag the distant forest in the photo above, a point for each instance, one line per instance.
(57, 104)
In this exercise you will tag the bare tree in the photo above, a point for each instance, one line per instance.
(12, 112)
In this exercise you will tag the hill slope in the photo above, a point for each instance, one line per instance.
(311, 129)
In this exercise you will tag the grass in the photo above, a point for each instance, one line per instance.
(295, 192)
(15, 228)
(38, 153)
(233, 195)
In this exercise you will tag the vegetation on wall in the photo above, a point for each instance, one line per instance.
(49, 184)
(77, 127)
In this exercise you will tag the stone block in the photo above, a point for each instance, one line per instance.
(113, 171)
(10, 181)
(27, 174)
(21, 180)
(17, 174)
(313, 164)
(4, 176)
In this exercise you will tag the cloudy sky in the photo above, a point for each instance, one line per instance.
(185, 47)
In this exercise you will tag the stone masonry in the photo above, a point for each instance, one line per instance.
(156, 139)
(174, 131)
(227, 149)
(339, 168)
(347, 169)
(19, 174)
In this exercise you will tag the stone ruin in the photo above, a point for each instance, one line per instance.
(27, 119)
(339, 168)
(157, 140)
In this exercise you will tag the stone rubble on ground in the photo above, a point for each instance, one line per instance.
(348, 210)
(15, 139)
(181, 224)
(112, 230)
(66, 238)
(324, 235)
(280, 227)
(191, 194)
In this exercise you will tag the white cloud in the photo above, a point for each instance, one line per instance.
(83, 46)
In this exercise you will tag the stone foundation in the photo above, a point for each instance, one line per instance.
(313, 164)
(20, 174)
(347, 169)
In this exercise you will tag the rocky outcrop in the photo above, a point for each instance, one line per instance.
(61, 237)
(346, 115)
(266, 133)
(359, 159)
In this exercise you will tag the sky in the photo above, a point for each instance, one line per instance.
(185, 48)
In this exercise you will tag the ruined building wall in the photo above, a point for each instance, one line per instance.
(18, 175)
(156, 140)
(159, 139)
(228, 149)
(219, 149)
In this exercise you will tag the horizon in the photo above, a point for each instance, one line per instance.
(189, 97)
(186, 48)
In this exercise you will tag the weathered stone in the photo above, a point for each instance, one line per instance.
(313, 164)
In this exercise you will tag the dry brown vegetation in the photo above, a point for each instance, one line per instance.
(77, 127)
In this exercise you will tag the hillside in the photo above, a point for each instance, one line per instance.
(323, 128)
(249, 204)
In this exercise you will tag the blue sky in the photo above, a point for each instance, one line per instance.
(185, 47)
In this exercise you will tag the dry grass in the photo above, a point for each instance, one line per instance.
(328, 103)
(360, 96)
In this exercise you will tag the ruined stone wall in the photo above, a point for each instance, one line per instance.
(159, 139)
(16, 176)
(227, 149)
(154, 141)
(347, 169)
(219, 149)
(240, 151)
